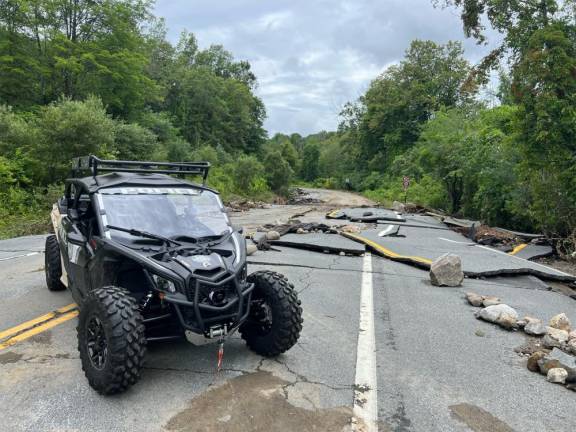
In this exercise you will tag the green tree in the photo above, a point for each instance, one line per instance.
(310, 161)
(133, 142)
(54, 48)
(403, 98)
(277, 172)
(70, 129)
(245, 172)
(540, 41)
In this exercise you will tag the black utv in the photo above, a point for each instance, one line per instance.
(149, 256)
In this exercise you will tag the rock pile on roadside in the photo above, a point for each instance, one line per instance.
(243, 205)
(556, 354)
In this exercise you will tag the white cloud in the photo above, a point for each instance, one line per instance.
(311, 57)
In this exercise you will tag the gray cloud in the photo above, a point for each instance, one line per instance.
(313, 56)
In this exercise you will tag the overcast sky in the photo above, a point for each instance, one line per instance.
(313, 56)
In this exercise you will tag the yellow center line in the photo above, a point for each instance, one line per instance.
(333, 213)
(38, 329)
(517, 249)
(387, 252)
(28, 324)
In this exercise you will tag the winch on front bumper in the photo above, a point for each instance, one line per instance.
(221, 300)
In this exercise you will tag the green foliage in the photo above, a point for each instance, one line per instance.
(133, 141)
(68, 129)
(247, 171)
(388, 119)
(54, 48)
(310, 162)
(99, 77)
(277, 172)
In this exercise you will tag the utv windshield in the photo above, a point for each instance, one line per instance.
(169, 212)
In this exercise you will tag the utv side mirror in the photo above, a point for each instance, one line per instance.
(76, 239)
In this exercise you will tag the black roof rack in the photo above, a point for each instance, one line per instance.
(95, 166)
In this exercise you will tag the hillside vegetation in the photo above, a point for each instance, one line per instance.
(101, 77)
(511, 165)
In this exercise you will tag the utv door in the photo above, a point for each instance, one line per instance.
(75, 249)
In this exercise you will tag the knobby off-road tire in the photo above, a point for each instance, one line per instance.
(281, 304)
(53, 264)
(110, 317)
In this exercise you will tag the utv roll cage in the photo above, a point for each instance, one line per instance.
(95, 166)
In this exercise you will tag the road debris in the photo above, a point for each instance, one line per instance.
(560, 322)
(398, 207)
(557, 375)
(446, 270)
(532, 251)
(474, 299)
(534, 327)
(243, 205)
(272, 235)
(422, 245)
(320, 242)
(554, 337)
(500, 314)
(367, 214)
(300, 196)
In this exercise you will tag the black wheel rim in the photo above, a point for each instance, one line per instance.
(261, 316)
(96, 343)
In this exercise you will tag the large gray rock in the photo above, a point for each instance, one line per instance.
(398, 207)
(558, 359)
(555, 337)
(446, 270)
(250, 249)
(501, 314)
(566, 361)
(534, 327)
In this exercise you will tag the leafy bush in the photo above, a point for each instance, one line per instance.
(277, 172)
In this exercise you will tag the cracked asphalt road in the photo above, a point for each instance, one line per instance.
(433, 372)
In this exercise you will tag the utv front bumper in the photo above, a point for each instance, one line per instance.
(198, 310)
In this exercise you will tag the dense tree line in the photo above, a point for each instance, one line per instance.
(511, 165)
(99, 76)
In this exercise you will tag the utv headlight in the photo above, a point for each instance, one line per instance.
(164, 284)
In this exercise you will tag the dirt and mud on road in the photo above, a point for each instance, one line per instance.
(381, 348)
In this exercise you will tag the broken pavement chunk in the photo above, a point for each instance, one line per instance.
(532, 251)
(319, 242)
(446, 270)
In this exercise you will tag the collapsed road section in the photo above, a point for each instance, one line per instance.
(414, 239)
